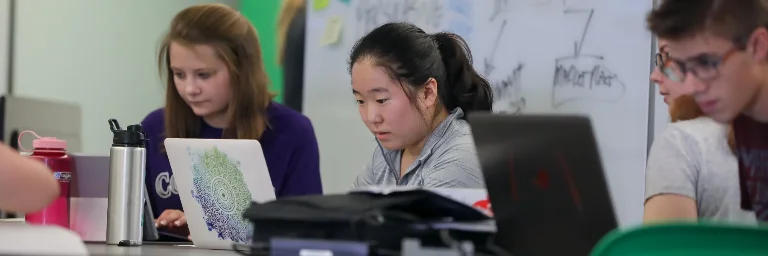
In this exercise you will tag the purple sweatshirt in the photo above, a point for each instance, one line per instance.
(289, 145)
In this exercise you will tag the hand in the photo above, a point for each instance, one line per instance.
(171, 219)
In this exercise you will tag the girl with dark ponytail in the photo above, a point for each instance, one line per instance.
(413, 91)
(470, 91)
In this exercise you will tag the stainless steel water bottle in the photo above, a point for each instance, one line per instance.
(127, 161)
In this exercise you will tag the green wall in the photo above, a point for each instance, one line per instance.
(263, 14)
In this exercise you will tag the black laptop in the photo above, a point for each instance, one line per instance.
(545, 182)
(151, 233)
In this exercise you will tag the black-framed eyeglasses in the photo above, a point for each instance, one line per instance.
(668, 67)
(661, 59)
(704, 66)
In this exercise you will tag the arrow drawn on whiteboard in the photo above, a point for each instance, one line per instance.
(488, 62)
(506, 92)
(577, 45)
(584, 77)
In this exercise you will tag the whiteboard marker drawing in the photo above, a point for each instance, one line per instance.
(507, 94)
(370, 14)
(507, 97)
(584, 77)
(501, 7)
(488, 62)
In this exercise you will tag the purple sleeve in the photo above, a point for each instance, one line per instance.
(303, 174)
(152, 124)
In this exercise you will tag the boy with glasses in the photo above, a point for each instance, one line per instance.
(691, 172)
(721, 50)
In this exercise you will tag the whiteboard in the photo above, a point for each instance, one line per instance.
(5, 26)
(541, 56)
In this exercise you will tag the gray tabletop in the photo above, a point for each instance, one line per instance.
(152, 249)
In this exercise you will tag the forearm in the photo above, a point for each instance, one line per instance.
(26, 184)
(669, 207)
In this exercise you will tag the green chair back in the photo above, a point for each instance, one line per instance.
(684, 239)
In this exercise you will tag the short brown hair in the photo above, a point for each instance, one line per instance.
(234, 39)
(731, 19)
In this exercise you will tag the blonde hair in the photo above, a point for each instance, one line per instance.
(235, 40)
(288, 10)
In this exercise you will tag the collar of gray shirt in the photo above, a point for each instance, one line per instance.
(445, 134)
(448, 160)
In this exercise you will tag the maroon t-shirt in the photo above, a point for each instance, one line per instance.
(752, 151)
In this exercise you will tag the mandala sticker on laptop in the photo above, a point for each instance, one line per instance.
(219, 188)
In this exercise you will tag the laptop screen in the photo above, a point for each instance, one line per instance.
(545, 182)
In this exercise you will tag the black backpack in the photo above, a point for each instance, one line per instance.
(381, 221)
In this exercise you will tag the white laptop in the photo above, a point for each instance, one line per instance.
(217, 180)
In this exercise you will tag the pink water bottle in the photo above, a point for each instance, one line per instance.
(53, 153)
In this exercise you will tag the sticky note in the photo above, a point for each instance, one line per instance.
(332, 32)
(344, 1)
(321, 4)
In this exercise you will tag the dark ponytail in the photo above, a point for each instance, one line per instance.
(467, 90)
(412, 57)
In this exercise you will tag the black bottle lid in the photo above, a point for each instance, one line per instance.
(134, 136)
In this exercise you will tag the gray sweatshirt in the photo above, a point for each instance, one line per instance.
(448, 160)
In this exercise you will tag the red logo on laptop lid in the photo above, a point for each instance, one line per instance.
(485, 206)
(542, 179)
